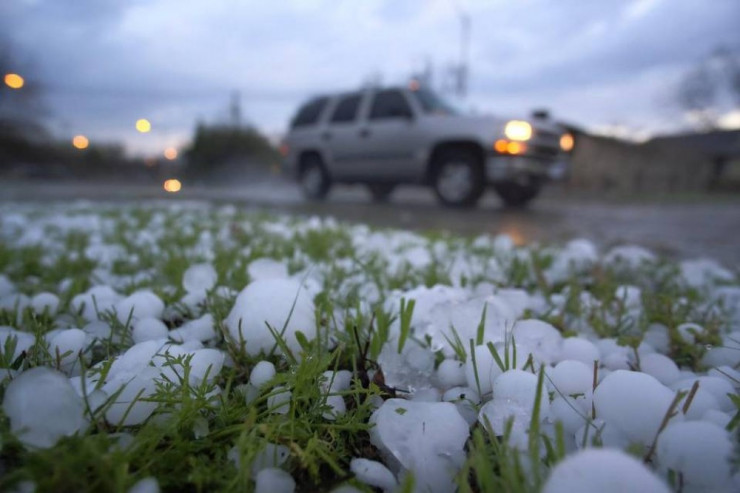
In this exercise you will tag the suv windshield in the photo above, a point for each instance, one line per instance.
(433, 104)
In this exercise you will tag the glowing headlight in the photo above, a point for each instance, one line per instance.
(566, 142)
(518, 130)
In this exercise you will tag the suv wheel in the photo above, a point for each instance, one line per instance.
(381, 192)
(458, 178)
(314, 179)
(517, 194)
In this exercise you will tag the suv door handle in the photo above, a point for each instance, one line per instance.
(326, 135)
(364, 132)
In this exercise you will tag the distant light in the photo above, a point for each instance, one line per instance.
(80, 142)
(14, 81)
(516, 147)
(172, 185)
(414, 85)
(501, 146)
(143, 125)
(284, 149)
(566, 142)
(170, 153)
(518, 130)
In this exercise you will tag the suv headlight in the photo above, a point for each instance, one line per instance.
(518, 130)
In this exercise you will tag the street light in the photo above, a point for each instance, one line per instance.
(80, 142)
(143, 125)
(14, 81)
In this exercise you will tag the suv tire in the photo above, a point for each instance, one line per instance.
(517, 195)
(313, 177)
(458, 178)
(381, 192)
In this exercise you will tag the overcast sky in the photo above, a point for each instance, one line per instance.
(105, 63)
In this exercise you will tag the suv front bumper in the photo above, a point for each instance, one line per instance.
(516, 168)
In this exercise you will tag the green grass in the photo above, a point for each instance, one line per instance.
(204, 437)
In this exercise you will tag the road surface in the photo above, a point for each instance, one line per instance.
(677, 228)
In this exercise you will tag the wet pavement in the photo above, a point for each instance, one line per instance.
(686, 228)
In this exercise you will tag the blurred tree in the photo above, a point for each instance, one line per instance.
(215, 147)
(711, 87)
(21, 109)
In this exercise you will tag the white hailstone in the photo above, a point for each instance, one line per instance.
(520, 387)
(279, 400)
(66, 346)
(698, 450)
(514, 394)
(731, 375)
(481, 373)
(410, 370)
(427, 438)
(199, 278)
(140, 304)
(540, 337)
(267, 268)
(599, 433)
(717, 387)
(23, 340)
(451, 373)
(261, 373)
(602, 470)
(146, 485)
(717, 417)
(280, 303)
(136, 357)
(148, 329)
(689, 331)
(201, 329)
(373, 473)
(634, 402)
(129, 408)
(657, 336)
(274, 480)
(466, 400)
(576, 348)
(338, 381)
(629, 296)
(206, 364)
(98, 330)
(572, 377)
(571, 412)
(613, 356)
(577, 256)
(96, 300)
(6, 286)
(193, 301)
(629, 257)
(722, 356)
(337, 407)
(15, 301)
(503, 244)
(269, 456)
(42, 407)
(661, 367)
(42, 302)
(701, 272)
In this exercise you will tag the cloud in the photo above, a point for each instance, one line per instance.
(106, 63)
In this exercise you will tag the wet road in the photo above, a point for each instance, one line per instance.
(677, 228)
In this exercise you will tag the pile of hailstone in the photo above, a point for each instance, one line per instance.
(637, 376)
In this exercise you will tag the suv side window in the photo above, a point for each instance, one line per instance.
(346, 110)
(309, 113)
(390, 104)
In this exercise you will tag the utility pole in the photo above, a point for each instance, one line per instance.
(235, 109)
(462, 67)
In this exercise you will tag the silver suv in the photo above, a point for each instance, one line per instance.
(391, 136)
